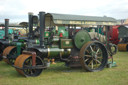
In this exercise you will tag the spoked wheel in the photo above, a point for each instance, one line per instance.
(93, 56)
(10, 54)
(25, 61)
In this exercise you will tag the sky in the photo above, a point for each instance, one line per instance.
(17, 10)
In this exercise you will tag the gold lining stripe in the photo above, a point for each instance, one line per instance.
(48, 52)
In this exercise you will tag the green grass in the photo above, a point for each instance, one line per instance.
(60, 75)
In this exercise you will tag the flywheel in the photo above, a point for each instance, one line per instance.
(81, 38)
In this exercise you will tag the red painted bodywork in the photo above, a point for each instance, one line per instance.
(113, 35)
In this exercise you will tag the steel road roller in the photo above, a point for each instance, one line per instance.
(15, 47)
(59, 38)
(10, 41)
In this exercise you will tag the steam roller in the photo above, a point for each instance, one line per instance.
(75, 49)
(123, 47)
(24, 61)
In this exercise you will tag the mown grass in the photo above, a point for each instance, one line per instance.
(60, 75)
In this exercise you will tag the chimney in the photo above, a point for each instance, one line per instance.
(30, 15)
(6, 28)
(42, 27)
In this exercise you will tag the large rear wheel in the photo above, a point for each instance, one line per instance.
(93, 56)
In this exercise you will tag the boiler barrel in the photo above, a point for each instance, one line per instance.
(54, 52)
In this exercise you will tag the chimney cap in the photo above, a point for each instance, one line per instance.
(30, 13)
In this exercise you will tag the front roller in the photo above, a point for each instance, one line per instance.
(93, 56)
(9, 54)
(24, 65)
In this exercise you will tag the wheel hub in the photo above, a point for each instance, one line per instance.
(94, 55)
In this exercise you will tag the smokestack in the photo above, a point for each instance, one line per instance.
(30, 15)
(42, 27)
(6, 28)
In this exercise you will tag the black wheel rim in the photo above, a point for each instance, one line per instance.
(12, 56)
(32, 72)
(95, 56)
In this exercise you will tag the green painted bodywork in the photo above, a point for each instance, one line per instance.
(15, 44)
(62, 30)
(66, 43)
(37, 41)
(2, 33)
(55, 42)
(18, 46)
(21, 40)
(46, 34)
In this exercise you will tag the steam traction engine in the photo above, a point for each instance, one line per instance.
(58, 40)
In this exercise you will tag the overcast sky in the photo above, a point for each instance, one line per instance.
(17, 10)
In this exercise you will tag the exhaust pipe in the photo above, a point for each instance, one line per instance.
(42, 28)
(6, 28)
(30, 15)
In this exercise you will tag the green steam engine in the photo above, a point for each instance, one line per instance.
(60, 39)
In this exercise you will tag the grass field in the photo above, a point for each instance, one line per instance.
(60, 75)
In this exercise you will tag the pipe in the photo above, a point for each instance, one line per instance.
(6, 28)
(42, 27)
(30, 15)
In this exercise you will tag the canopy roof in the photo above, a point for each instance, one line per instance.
(80, 20)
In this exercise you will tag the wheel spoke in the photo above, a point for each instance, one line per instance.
(92, 64)
(91, 48)
(86, 60)
(88, 56)
(98, 61)
(97, 51)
